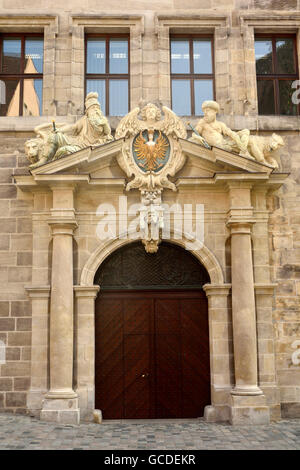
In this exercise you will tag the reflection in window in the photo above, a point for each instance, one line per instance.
(107, 72)
(181, 96)
(99, 87)
(118, 97)
(276, 69)
(192, 79)
(21, 75)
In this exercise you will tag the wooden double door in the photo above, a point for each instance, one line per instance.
(152, 354)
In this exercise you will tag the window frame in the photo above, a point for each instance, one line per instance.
(106, 76)
(193, 76)
(21, 76)
(275, 77)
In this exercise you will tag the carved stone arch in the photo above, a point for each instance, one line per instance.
(201, 252)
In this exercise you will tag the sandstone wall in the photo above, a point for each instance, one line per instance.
(63, 98)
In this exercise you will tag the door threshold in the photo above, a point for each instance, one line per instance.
(151, 421)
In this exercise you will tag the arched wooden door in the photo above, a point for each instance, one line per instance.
(152, 346)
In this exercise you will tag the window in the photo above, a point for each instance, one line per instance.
(276, 69)
(192, 77)
(21, 75)
(107, 72)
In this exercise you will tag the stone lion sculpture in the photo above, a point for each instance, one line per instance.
(210, 132)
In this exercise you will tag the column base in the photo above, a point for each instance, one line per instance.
(241, 390)
(64, 393)
(248, 410)
(35, 402)
(61, 410)
(216, 413)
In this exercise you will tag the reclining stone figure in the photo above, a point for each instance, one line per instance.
(217, 134)
(53, 142)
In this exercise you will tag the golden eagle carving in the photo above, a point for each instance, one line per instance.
(151, 152)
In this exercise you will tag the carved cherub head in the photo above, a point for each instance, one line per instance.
(151, 113)
(32, 149)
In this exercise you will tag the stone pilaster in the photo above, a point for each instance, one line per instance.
(221, 356)
(85, 348)
(39, 296)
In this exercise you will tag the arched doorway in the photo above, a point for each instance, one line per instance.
(152, 344)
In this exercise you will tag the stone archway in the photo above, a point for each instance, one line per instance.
(216, 292)
(151, 334)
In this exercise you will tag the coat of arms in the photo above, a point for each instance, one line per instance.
(151, 154)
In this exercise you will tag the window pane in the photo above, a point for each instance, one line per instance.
(11, 56)
(263, 56)
(287, 107)
(34, 52)
(202, 57)
(99, 87)
(32, 97)
(265, 96)
(10, 97)
(180, 57)
(118, 56)
(203, 91)
(95, 60)
(285, 55)
(181, 97)
(118, 97)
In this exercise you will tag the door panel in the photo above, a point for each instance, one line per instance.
(109, 358)
(168, 358)
(195, 355)
(137, 351)
(152, 354)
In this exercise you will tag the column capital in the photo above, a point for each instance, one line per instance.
(240, 225)
(86, 291)
(62, 225)
(239, 184)
(38, 292)
(217, 289)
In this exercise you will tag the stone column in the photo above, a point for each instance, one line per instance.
(61, 403)
(248, 401)
(85, 348)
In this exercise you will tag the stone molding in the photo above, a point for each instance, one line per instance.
(217, 289)
(81, 24)
(38, 292)
(204, 255)
(90, 292)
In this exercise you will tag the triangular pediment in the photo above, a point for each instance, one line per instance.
(204, 162)
(99, 165)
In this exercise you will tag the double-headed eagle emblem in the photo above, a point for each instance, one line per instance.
(152, 152)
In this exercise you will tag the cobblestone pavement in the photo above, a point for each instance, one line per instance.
(23, 432)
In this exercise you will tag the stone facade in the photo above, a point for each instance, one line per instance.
(27, 238)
